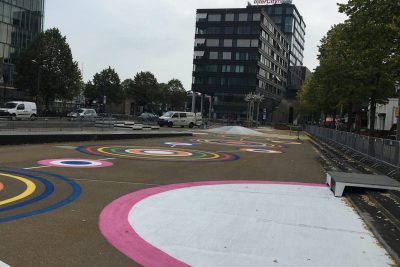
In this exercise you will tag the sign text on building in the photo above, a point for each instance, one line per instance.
(272, 2)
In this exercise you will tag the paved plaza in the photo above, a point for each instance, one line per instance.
(205, 200)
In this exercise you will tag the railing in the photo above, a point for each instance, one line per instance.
(378, 150)
(55, 124)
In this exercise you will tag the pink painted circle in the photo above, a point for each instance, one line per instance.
(75, 163)
(116, 228)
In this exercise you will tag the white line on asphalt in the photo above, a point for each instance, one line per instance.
(107, 159)
(115, 182)
(40, 167)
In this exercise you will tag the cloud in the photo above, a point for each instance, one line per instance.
(157, 36)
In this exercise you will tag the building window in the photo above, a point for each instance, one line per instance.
(201, 16)
(244, 30)
(213, 55)
(229, 17)
(254, 43)
(212, 42)
(227, 42)
(242, 56)
(213, 81)
(228, 30)
(214, 17)
(198, 54)
(199, 42)
(227, 55)
(243, 43)
(256, 17)
(213, 30)
(211, 68)
(198, 80)
(243, 16)
(278, 10)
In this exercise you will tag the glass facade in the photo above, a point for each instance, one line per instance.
(289, 20)
(20, 22)
(244, 52)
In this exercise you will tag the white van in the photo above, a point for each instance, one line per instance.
(179, 118)
(19, 110)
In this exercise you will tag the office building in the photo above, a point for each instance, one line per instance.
(291, 23)
(20, 22)
(237, 52)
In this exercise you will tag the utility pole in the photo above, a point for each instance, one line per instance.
(193, 102)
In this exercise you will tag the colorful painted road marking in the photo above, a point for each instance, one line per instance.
(157, 154)
(257, 150)
(75, 163)
(30, 188)
(238, 143)
(174, 144)
(286, 142)
(38, 187)
(1, 186)
(239, 223)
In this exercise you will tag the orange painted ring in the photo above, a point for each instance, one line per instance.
(1, 186)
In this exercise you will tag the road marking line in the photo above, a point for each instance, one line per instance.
(115, 182)
(107, 159)
(39, 167)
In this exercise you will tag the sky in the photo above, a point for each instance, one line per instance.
(157, 36)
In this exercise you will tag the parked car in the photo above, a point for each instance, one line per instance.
(179, 118)
(82, 114)
(149, 117)
(19, 110)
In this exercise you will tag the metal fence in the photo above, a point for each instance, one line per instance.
(377, 151)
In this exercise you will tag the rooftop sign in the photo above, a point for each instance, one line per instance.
(272, 2)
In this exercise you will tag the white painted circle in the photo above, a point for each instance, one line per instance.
(256, 225)
(158, 152)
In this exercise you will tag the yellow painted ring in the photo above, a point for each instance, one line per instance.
(102, 150)
(30, 188)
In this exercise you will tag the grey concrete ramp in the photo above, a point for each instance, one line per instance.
(338, 181)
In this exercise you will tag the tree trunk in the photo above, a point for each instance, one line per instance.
(372, 116)
(349, 116)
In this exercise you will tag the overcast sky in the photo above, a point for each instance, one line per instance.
(157, 36)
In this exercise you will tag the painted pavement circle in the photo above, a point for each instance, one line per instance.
(239, 223)
(42, 192)
(75, 163)
(157, 154)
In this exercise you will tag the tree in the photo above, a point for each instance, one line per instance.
(374, 47)
(48, 62)
(145, 90)
(177, 95)
(105, 84)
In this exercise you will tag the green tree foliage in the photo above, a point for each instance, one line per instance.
(177, 95)
(106, 83)
(358, 59)
(145, 90)
(374, 25)
(49, 58)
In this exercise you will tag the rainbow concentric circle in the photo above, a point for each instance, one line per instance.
(156, 153)
(237, 143)
(40, 191)
(75, 163)
(264, 151)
